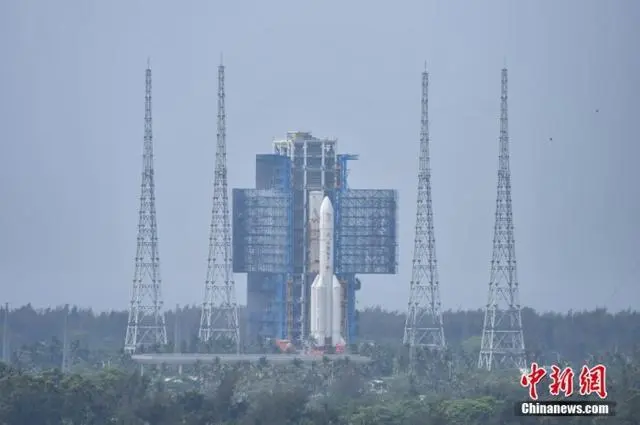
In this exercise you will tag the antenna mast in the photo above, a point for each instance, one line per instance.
(146, 325)
(176, 331)
(502, 337)
(423, 327)
(219, 319)
(6, 356)
(65, 340)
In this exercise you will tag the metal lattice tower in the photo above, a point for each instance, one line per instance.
(423, 327)
(502, 337)
(146, 325)
(66, 361)
(219, 309)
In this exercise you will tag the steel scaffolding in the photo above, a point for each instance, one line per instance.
(262, 235)
(367, 236)
(314, 171)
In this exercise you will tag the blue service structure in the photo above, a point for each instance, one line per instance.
(275, 238)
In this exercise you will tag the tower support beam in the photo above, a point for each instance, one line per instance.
(502, 337)
(146, 324)
(219, 321)
(423, 327)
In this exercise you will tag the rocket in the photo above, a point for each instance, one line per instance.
(326, 292)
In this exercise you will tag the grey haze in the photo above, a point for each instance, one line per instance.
(71, 127)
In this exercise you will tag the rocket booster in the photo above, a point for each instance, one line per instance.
(326, 292)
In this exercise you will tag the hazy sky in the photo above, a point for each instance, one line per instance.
(71, 128)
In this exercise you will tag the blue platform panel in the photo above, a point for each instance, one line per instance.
(273, 171)
(366, 233)
(261, 231)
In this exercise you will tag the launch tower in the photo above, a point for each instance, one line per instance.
(502, 337)
(423, 326)
(219, 319)
(146, 325)
(276, 235)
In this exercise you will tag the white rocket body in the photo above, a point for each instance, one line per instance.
(326, 291)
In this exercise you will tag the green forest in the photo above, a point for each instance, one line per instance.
(102, 386)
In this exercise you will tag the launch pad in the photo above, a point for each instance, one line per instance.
(185, 359)
(276, 238)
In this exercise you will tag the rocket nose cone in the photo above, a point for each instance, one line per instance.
(326, 205)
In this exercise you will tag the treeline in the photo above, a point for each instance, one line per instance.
(324, 393)
(443, 390)
(572, 336)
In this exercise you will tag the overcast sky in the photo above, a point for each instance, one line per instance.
(71, 129)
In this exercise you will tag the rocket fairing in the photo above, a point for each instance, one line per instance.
(326, 292)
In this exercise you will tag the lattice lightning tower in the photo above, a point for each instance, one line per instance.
(146, 325)
(219, 310)
(423, 327)
(502, 337)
